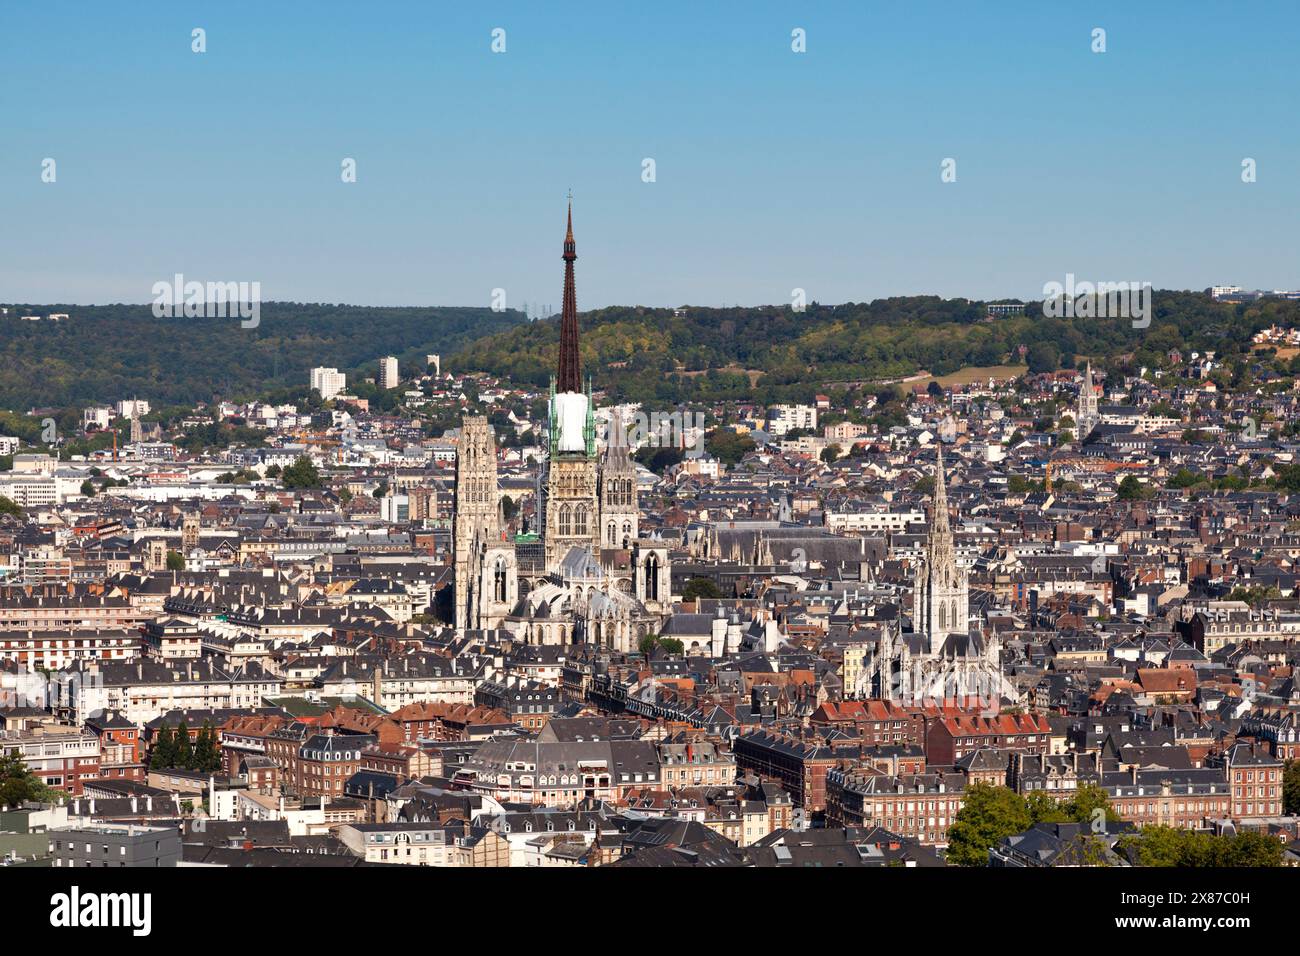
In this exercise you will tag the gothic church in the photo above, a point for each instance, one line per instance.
(587, 577)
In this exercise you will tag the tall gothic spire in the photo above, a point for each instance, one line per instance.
(939, 502)
(569, 377)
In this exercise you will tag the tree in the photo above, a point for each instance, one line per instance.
(1130, 489)
(1043, 357)
(1019, 485)
(700, 588)
(1255, 595)
(1291, 787)
(175, 561)
(998, 812)
(184, 759)
(1168, 847)
(301, 474)
(831, 453)
(1087, 800)
(728, 446)
(19, 785)
(10, 507)
(1044, 808)
(657, 459)
(989, 815)
(1249, 849)
(88, 488)
(1184, 478)
(164, 750)
(670, 645)
(206, 756)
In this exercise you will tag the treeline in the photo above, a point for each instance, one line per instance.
(704, 355)
(112, 352)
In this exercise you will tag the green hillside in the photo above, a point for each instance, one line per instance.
(647, 354)
(105, 353)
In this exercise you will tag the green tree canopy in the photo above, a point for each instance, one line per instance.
(1169, 846)
(700, 588)
(19, 785)
(301, 474)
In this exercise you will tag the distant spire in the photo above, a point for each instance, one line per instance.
(569, 377)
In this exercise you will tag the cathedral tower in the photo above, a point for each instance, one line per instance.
(618, 500)
(476, 512)
(940, 595)
(570, 506)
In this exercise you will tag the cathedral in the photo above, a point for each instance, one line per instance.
(942, 658)
(586, 576)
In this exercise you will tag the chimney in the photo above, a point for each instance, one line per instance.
(135, 806)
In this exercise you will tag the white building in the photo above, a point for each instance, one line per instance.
(32, 492)
(388, 372)
(328, 381)
(97, 417)
(132, 408)
(873, 522)
(784, 418)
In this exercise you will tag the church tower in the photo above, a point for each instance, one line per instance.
(570, 505)
(476, 510)
(618, 500)
(1086, 416)
(940, 594)
(137, 428)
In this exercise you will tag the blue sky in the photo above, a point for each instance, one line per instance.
(774, 170)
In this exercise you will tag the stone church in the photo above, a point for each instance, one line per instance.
(587, 576)
(943, 657)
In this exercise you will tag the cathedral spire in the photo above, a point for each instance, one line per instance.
(569, 376)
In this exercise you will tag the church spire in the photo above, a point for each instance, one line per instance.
(569, 377)
(939, 501)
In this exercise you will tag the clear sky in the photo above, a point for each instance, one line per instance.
(774, 169)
